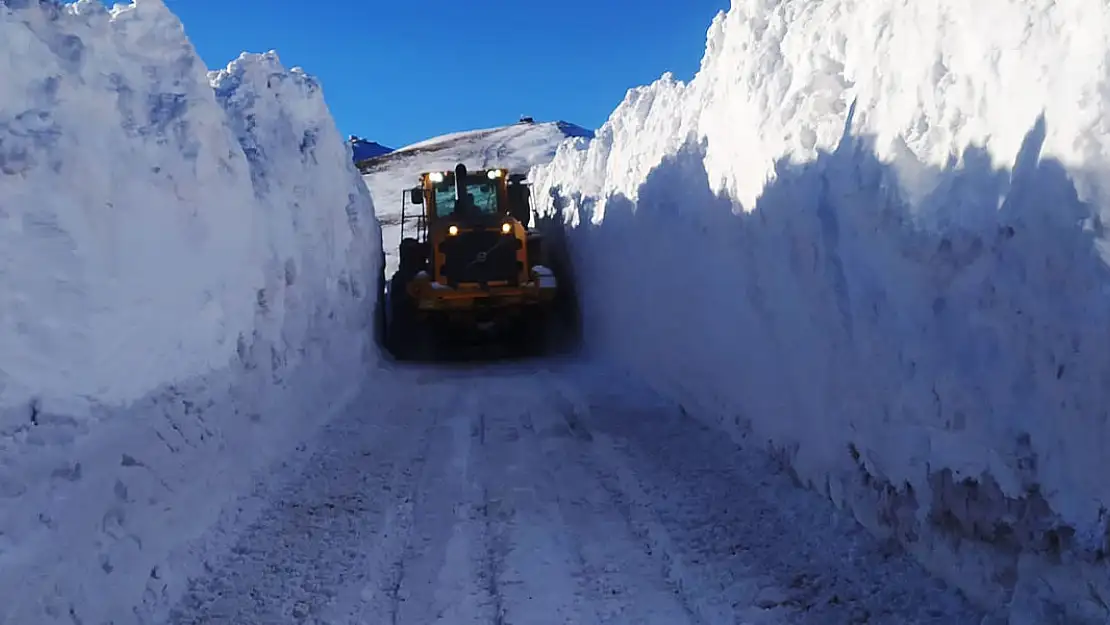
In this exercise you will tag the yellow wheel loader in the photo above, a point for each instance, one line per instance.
(470, 268)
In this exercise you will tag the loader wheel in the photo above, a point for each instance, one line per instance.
(400, 317)
(409, 338)
(413, 255)
(380, 336)
(531, 338)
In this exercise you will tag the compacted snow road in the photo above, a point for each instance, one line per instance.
(511, 494)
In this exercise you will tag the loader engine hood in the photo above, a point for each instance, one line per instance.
(480, 255)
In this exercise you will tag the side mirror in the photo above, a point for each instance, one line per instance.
(416, 195)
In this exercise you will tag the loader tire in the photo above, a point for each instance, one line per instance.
(532, 337)
(380, 329)
(409, 337)
(413, 255)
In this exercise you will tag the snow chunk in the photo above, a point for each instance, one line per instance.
(884, 224)
(545, 277)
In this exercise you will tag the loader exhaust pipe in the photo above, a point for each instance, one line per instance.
(460, 183)
(463, 202)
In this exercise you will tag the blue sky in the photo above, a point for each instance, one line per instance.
(397, 72)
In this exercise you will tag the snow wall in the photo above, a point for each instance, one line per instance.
(870, 236)
(187, 268)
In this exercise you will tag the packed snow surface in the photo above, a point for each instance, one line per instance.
(517, 147)
(883, 225)
(545, 494)
(186, 265)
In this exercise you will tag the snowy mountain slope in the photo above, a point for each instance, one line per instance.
(886, 227)
(186, 264)
(518, 147)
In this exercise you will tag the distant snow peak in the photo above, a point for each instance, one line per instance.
(362, 149)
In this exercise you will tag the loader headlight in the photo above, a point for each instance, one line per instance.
(452, 230)
(494, 174)
(436, 177)
(506, 228)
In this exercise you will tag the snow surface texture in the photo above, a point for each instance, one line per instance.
(517, 147)
(883, 225)
(187, 262)
(549, 494)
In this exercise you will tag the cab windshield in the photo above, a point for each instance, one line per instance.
(483, 190)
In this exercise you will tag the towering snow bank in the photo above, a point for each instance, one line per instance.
(321, 240)
(187, 265)
(128, 218)
(883, 228)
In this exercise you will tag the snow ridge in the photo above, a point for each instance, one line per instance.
(885, 227)
(187, 272)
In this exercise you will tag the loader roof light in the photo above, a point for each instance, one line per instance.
(494, 174)
(452, 230)
(506, 228)
(436, 176)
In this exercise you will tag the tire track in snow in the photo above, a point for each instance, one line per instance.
(569, 557)
(645, 534)
(446, 556)
(492, 533)
(392, 551)
(739, 540)
(622, 488)
(398, 587)
(310, 548)
(493, 562)
(529, 573)
(498, 468)
(624, 582)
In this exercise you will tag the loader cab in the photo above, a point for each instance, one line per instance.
(471, 227)
(484, 193)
